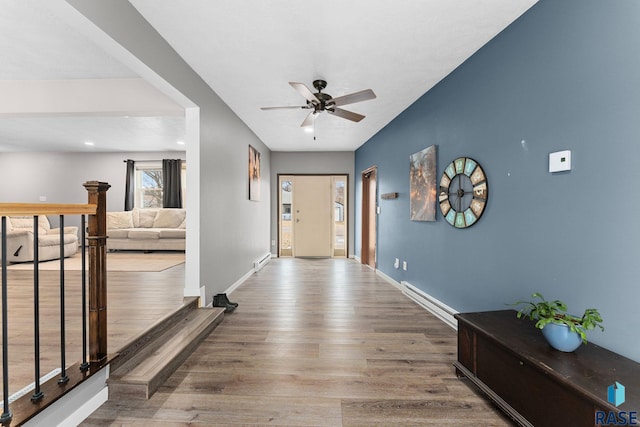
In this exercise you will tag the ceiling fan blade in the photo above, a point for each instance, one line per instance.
(363, 95)
(349, 115)
(304, 91)
(296, 107)
(309, 120)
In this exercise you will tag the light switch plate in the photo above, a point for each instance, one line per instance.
(560, 161)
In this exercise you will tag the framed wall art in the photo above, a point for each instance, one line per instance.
(254, 174)
(422, 184)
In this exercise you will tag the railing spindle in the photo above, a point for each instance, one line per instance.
(93, 336)
(83, 246)
(6, 413)
(37, 393)
(63, 369)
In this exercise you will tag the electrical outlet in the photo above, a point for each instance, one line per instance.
(43, 198)
(404, 265)
(397, 263)
(273, 243)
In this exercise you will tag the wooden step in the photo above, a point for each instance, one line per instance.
(141, 345)
(152, 363)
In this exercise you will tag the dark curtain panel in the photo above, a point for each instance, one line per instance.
(171, 183)
(129, 186)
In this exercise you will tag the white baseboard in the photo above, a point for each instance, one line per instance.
(424, 300)
(239, 282)
(431, 304)
(357, 258)
(89, 408)
(235, 285)
(85, 398)
(390, 280)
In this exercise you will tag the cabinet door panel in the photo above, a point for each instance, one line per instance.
(466, 346)
(537, 397)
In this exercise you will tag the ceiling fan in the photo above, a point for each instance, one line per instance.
(319, 102)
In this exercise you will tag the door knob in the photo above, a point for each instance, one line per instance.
(297, 220)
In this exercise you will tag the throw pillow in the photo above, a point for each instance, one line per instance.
(169, 218)
(146, 217)
(117, 220)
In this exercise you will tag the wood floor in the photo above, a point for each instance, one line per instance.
(316, 343)
(135, 301)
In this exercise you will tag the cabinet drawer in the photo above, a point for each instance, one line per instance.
(531, 392)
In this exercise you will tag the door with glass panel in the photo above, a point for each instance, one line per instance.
(312, 212)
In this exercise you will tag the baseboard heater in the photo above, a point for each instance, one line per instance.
(259, 263)
(431, 304)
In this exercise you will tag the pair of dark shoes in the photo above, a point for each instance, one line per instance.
(221, 300)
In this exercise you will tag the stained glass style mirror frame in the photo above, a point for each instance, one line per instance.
(463, 192)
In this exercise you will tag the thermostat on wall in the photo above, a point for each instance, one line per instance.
(560, 161)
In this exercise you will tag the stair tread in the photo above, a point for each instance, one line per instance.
(173, 342)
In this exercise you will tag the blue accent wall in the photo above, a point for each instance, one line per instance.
(565, 76)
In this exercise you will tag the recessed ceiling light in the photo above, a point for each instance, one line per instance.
(180, 142)
(308, 129)
(89, 143)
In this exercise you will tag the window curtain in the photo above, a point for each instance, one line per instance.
(129, 186)
(171, 183)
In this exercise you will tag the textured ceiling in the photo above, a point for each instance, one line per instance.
(248, 51)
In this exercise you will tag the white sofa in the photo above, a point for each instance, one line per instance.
(147, 229)
(20, 244)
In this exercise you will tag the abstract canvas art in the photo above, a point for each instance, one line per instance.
(422, 184)
(254, 174)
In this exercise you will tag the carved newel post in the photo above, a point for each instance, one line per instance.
(97, 239)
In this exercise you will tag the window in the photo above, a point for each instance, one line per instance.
(149, 184)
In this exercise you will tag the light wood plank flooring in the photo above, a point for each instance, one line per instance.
(316, 343)
(135, 301)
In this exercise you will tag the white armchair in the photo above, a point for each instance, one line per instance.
(20, 239)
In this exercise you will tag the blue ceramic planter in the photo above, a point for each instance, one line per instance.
(561, 338)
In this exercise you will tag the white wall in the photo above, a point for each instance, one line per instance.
(329, 162)
(59, 176)
(232, 230)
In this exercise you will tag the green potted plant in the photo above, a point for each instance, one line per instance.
(563, 331)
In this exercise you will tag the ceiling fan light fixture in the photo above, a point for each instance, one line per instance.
(320, 101)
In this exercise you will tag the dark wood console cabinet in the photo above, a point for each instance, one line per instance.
(510, 361)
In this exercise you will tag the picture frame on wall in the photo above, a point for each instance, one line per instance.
(422, 184)
(254, 174)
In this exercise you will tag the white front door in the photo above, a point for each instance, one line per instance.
(312, 216)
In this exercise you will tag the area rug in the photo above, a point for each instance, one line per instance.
(116, 261)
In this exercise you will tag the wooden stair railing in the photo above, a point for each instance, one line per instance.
(26, 407)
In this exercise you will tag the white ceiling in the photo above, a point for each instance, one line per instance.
(248, 51)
